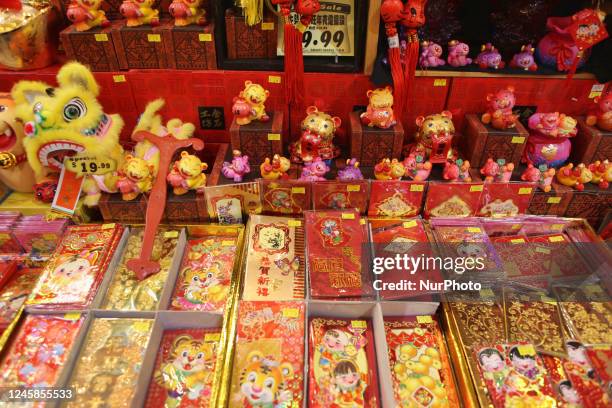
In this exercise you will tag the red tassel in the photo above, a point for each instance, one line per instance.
(398, 80)
(293, 54)
(11, 4)
(410, 62)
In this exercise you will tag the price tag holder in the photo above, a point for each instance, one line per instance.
(83, 165)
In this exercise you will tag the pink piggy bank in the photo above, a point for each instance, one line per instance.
(314, 170)
(489, 57)
(458, 54)
(524, 60)
(430, 55)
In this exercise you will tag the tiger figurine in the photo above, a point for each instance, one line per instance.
(263, 382)
(188, 371)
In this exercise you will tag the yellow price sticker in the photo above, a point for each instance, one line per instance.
(274, 79)
(362, 221)
(267, 26)
(526, 349)
(518, 139)
(298, 190)
(274, 136)
(72, 316)
(556, 238)
(108, 226)
(142, 325)
(517, 241)
(118, 78)
(205, 37)
(476, 188)
(171, 234)
(417, 187)
(409, 224)
(227, 242)
(525, 190)
(348, 216)
(424, 319)
(474, 230)
(291, 312)
(548, 300)
(516, 226)
(440, 82)
(594, 94)
(542, 250)
(556, 227)
(487, 293)
(294, 223)
(49, 236)
(353, 188)
(83, 165)
(153, 38)
(101, 37)
(209, 337)
(359, 324)
(553, 200)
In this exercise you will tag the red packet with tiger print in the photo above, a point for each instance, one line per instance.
(275, 259)
(336, 264)
(204, 279)
(340, 195)
(185, 369)
(342, 369)
(285, 197)
(269, 355)
(76, 269)
(396, 199)
(420, 367)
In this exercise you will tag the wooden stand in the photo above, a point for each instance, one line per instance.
(481, 141)
(94, 48)
(115, 209)
(259, 140)
(191, 47)
(140, 47)
(592, 203)
(554, 202)
(590, 144)
(250, 42)
(370, 145)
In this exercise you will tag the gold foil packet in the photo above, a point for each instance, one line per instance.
(587, 321)
(126, 291)
(108, 366)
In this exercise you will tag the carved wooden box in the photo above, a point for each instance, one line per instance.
(249, 42)
(94, 48)
(370, 145)
(590, 144)
(140, 47)
(191, 47)
(259, 140)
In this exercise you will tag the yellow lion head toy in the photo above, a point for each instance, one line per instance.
(381, 98)
(65, 120)
(263, 380)
(320, 123)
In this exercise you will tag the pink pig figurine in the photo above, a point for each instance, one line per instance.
(237, 168)
(541, 175)
(458, 54)
(524, 59)
(416, 168)
(430, 55)
(314, 170)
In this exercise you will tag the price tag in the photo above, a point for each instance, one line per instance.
(353, 188)
(596, 90)
(518, 139)
(205, 37)
(409, 224)
(274, 136)
(171, 234)
(294, 223)
(153, 38)
(517, 241)
(108, 226)
(417, 187)
(476, 188)
(118, 78)
(101, 37)
(291, 313)
(548, 300)
(274, 79)
(556, 238)
(525, 190)
(424, 319)
(348, 216)
(142, 325)
(475, 230)
(553, 200)
(298, 190)
(526, 349)
(359, 324)
(440, 82)
(362, 221)
(516, 226)
(542, 250)
(267, 26)
(594, 94)
(72, 316)
(210, 337)
(486, 293)
(227, 242)
(49, 237)
(88, 165)
(556, 227)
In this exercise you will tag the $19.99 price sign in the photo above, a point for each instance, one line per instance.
(89, 165)
(331, 32)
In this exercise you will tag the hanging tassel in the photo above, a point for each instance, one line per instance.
(411, 59)
(392, 11)
(252, 10)
(307, 9)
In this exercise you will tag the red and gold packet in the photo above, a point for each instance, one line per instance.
(269, 355)
(73, 274)
(565, 392)
(275, 259)
(285, 197)
(452, 199)
(600, 357)
(184, 370)
(396, 198)
(518, 257)
(583, 376)
(7, 269)
(38, 350)
(340, 195)
(515, 376)
(505, 199)
(561, 258)
(14, 294)
(342, 370)
(204, 279)
(334, 242)
(419, 362)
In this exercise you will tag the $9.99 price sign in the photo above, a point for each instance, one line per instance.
(331, 32)
(89, 165)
